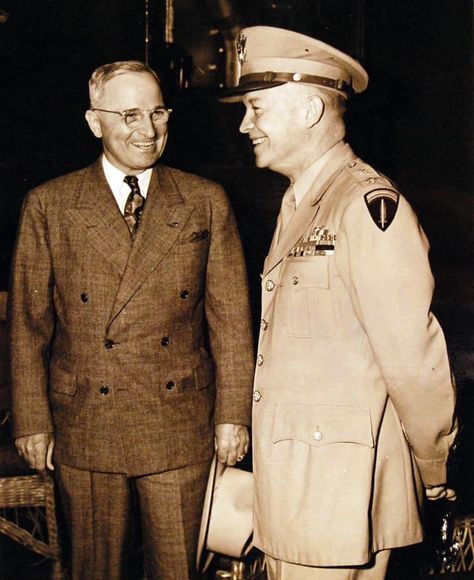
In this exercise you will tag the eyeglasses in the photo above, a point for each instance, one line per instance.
(134, 117)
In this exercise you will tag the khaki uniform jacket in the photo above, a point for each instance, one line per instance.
(353, 401)
(108, 338)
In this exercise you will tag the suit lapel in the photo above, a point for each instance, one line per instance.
(163, 219)
(96, 212)
(307, 210)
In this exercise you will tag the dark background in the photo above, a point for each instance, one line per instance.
(414, 123)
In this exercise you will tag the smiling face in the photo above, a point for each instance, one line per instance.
(276, 121)
(130, 150)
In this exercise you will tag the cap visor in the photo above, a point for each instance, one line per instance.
(235, 94)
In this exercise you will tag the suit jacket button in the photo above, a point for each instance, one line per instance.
(170, 385)
(84, 297)
(165, 341)
(104, 390)
(109, 343)
(184, 294)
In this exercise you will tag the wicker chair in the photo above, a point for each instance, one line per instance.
(27, 505)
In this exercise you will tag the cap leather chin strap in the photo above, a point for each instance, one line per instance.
(274, 77)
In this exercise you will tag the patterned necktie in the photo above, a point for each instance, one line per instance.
(134, 204)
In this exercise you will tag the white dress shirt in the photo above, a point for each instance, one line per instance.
(118, 186)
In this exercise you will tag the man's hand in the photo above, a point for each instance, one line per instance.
(440, 492)
(232, 443)
(37, 450)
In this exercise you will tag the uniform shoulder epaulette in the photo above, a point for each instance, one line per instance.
(381, 196)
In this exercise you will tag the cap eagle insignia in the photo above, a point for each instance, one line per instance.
(241, 50)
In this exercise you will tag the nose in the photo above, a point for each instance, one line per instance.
(148, 128)
(247, 122)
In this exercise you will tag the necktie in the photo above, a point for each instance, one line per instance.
(288, 207)
(134, 204)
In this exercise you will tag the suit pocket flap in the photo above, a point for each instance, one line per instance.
(204, 374)
(62, 381)
(307, 273)
(323, 424)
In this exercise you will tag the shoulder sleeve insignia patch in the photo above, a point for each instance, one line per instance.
(382, 205)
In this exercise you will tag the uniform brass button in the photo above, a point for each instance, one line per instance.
(263, 324)
(104, 390)
(318, 435)
(84, 297)
(260, 360)
(109, 343)
(170, 385)
(165, 341)
(257, 395)
(269, 285)
(295, 280)
(184, 294)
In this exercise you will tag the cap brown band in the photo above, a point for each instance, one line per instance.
(278, 77)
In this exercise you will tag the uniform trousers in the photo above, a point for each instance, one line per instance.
(101, 518)
(374, 570)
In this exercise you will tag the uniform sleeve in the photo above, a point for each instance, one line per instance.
(31, 322)
(228, 316)
(388, 276)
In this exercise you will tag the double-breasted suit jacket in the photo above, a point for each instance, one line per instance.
(353, 398)
(109, 340)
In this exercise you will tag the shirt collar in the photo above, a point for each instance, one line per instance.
(114, 177)
(304, 181)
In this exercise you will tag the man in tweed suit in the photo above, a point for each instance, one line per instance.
(110, 326)
(353, 401)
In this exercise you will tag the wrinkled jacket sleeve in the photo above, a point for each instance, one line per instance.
(31, 320)
(228, 316)
(391, 288)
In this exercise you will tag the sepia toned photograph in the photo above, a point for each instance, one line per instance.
(236, 290)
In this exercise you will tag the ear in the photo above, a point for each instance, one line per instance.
(314, 111)
(94, 123)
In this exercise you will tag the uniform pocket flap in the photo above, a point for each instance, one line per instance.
(62, 381)
(323, 424)
(204, 374)
(308, 273)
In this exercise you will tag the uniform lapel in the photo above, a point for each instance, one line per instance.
(163, 219)
(307, 210)
(96, 213)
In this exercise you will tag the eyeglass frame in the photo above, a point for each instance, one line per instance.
(124, 114)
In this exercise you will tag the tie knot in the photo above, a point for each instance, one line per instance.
(132, 182)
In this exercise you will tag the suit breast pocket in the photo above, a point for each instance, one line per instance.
(305, 303)
(195, 238)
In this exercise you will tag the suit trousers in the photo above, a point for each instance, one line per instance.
(103, 512)
(374, 570)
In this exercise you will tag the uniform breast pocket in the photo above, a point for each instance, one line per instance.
(305, 304)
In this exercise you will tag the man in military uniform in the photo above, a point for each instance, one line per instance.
(353, 397)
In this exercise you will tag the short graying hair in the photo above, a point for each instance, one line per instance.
(332, 99)
(106, 72)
